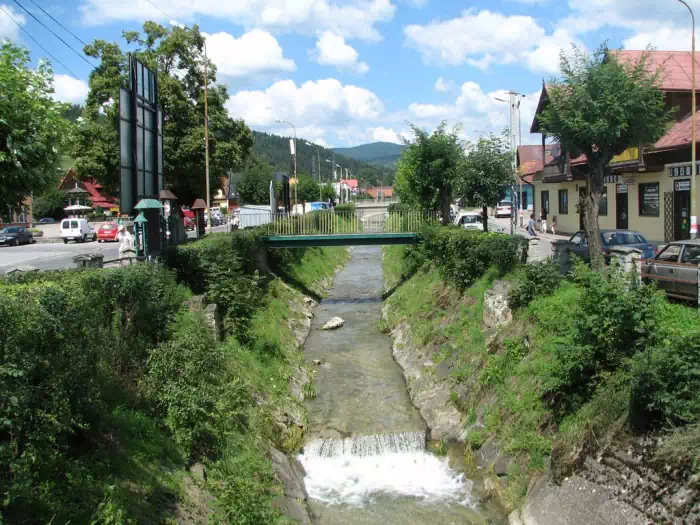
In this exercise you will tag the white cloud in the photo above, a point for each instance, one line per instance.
(254, 54)
(481, 38)
(331, 50)
(382, 134)
(443, 86)
(662, 38)
(350, 19)
(69, 89)
(8, 29)
(430, 110)
(321, 104)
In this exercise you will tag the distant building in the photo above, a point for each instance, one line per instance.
(23, 216)
(381, 192)
(98, 199)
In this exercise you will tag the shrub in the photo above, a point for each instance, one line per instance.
(615, 319)
(347, 208)
(666, 383)
(397, 206)
(462, 256)
(535, 280)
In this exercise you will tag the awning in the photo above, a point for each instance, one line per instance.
(148, 204)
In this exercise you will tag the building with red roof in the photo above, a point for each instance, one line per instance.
(648, 190)
(98, 198)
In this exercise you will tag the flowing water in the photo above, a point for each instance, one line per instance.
(365, 457)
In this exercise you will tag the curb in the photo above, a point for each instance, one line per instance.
(49, 240)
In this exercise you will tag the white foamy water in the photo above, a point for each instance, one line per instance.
(356, 470)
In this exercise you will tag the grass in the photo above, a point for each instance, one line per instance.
(310, 267)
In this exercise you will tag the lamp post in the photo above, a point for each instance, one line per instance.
(206, 134)
(318, 165)
(294, 158)
(693, 217)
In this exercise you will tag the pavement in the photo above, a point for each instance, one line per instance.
(546, 239)
(54, 255)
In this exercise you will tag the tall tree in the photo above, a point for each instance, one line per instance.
(428, 168)
(33, 133)
(601, 107)
(486, 173)
(177, 56)
(254, 186)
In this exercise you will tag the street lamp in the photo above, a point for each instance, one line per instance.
(294, 158)
(693, 217)
(318, 165)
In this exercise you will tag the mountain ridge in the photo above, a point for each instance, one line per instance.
(375, 153)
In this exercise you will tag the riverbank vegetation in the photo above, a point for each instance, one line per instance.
(111, 389)
(584, 358)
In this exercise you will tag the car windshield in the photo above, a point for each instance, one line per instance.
(108, 227)
(11, 229)
(622, 238)
(470, 219)
(504, 203)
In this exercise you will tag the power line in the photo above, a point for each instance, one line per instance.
(59, 23)
(37, 43)
(159, 9)
(54, 34)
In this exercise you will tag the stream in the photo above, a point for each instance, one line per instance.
(365, 455)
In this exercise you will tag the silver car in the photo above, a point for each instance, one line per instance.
(675, 269)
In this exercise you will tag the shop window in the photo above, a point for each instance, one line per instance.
(563, 202)
(649, 199)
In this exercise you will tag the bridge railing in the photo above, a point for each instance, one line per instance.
(339, 223)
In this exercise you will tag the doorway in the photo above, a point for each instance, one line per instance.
(681, 210)
(581, 198)
(621, 222)
(545, 203)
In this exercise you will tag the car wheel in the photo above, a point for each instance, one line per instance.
(99, 241)
(32, 240)
(84, 239)
(14, 243)
(65, 241)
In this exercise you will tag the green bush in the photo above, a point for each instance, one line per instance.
(615, 319)
(397, 206)
(666, 383)
(535, 280)
(462, 256)
(345, 208)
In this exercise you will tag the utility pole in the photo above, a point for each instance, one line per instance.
(293, 148)
(206, 134)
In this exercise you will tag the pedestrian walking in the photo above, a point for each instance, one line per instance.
(554, 225)
(531, 226)
(127, 249)
(543, 219)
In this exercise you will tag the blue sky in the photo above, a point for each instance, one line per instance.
(346, 72)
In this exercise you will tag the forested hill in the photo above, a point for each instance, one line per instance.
(377, 153)
(274, 150)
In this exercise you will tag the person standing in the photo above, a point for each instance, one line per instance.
(531, 226)
(543, 219)
(127, 249)
(554, 225)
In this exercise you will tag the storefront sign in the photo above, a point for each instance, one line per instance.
(622, 188)
(628, 155)
(681, 170)
(682, 185)
(629, 181)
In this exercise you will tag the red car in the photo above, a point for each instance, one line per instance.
(108, 232)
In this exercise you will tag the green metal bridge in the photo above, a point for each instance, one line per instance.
(366, 226)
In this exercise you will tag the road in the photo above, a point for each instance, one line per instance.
(53, 256)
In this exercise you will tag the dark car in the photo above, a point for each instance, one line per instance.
(610, 238)
(47, 220)
(16, 235)
(675, 269)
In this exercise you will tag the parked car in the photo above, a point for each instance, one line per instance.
(47, 220)
(77, 230)
(470, 220)
(16, 235)
(632, 239)
(252, 216)
(189, 223)
(675, 269)
(108, 232)
(503, 209)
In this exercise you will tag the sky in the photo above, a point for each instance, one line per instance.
(348, 72)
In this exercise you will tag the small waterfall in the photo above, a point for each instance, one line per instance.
(359, 469)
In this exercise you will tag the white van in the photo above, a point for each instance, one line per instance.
(77, 230)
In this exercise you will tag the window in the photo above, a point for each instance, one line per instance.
(577, 238)
(649, 200)
(65, 225)
(73, 224)
(604, 202)
(621, 238)
(563, 202)
(670, 253)
(691, 254)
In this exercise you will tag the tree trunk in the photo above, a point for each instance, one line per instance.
(594, 185)
(485, 217)
(445, 201)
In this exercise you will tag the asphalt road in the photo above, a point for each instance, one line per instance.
(53, 256)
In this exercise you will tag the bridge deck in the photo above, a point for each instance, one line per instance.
(339, 239)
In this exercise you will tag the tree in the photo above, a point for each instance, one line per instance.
(485, 173)
(428, 168)
(307, 189)
(49, 204)
(328, 192)
(177, 55)
(32, 130)
(602, 107)
(254, 186)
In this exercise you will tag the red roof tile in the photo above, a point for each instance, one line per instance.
(678, 135)
(677, 66)
(530, 158)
